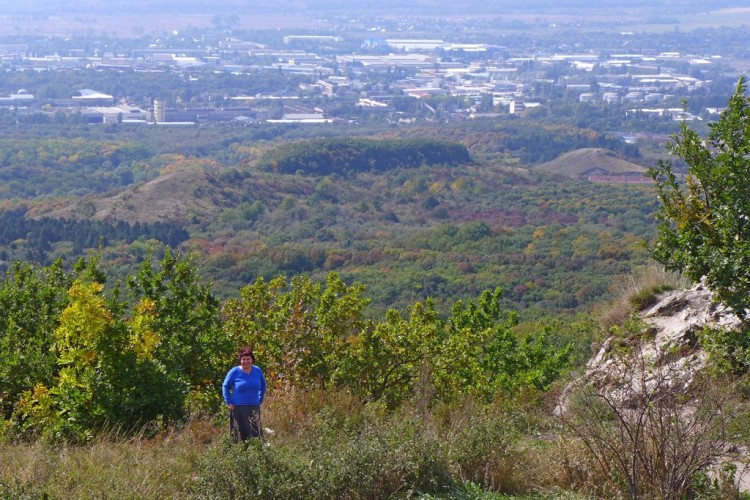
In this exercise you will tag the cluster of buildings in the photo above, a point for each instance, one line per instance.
(439, 79)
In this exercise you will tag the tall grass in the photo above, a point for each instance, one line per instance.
(113, 466)
(340, 448)
(324, 445)
(638, 290)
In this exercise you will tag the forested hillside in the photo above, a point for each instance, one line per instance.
(341, 156)
(442, 213)
(41, 234)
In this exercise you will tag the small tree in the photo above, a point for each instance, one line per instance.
(31, 300)
(704, 228)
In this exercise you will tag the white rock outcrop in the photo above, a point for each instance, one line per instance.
(664, 360)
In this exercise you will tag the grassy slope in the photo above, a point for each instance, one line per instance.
(582, 162)
(324, 445)
(176, 196)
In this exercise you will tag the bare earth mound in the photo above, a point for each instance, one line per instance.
(177, 196)
(593, 163)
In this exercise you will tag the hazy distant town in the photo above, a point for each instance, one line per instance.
(386, 71)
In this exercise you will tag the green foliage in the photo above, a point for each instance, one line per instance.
(250, 471)
(469, 491)
(723, 487)
(18, 491)
(385, 362)
(328, 156)
(68, 409)
(483, 356)
(704, 229)
(299, 333)
(646, 297)
(103, 361)
(40, 234)
(31, 167)
(393, 456)
(380, 228)
(555, 255)
(310, 334)
(483, 449)
(155, 349)
(184, 314)
(728, 350)
(31, 301)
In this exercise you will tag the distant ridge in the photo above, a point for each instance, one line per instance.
(587, 162)
(176, 196)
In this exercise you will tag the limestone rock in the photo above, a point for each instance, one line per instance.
(671, 355)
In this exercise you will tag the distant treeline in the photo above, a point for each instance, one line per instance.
(532, 142)
(338, 155)
(39, 234)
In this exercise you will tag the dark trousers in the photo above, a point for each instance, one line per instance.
(244, 422)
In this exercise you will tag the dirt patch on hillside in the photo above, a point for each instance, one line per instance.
(582, 163)
(174, 197)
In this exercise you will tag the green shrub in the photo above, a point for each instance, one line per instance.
(383, 457)
(18, 491)
(372, 464)
(723, 487)
(647, 297)
(252, 470)
(375, 455)
(729, 351)
(703, 228)
(467, 491)
(483, 453)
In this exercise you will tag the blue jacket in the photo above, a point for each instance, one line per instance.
(240, 388)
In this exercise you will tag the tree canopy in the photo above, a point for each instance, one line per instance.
(704, 228)
(78, 354)
(337, 155)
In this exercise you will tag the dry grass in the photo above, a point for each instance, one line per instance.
(636, 290)
(175, 196)
(492, 447)
(573, 468)
(110, 467)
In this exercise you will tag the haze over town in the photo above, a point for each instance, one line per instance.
(385, 62)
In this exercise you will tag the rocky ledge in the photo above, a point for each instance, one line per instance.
(668, 350)
(660, 358)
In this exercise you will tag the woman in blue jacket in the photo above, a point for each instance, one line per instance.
(243, 389)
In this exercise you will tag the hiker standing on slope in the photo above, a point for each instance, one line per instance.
(243, 389)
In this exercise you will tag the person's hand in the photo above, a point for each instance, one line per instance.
(231, 407)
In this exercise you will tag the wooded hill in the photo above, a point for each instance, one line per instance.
(444, 224)
(341, 155)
